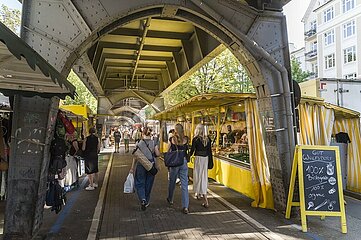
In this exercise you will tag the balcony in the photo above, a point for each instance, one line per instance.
(311, 55)
(312, 75)
(310, 33)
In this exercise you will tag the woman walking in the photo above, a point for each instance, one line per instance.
(201, 148)
(91, 148)
(143, 179)
(179, 142)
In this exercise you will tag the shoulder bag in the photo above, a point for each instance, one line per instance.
(174, 158)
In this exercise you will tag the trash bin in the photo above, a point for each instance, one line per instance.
(343, 161)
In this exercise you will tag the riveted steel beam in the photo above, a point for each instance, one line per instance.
(129, 65)
(151, 34)
(145, 26)
(107, 56)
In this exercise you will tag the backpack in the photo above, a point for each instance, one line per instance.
(55, 196)
(57, 155)
(58, 147)
(57, 164)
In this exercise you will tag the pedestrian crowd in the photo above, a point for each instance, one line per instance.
(146, 164)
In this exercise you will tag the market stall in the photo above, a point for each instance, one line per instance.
(320, 124)
(235, 127)
(233, 123)
(80, 116)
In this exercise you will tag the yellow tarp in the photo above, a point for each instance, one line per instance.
(352, 127)
(258, 158)
(319, 120)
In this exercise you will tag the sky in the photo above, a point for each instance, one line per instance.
(294, 12)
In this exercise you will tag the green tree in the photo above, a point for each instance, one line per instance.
(149, 111)
(11, 18)
(297, 73)
(83, 94)
(224, 73)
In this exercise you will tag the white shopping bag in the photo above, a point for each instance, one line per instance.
(129, 184)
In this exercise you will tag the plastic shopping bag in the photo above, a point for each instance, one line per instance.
(129, 184)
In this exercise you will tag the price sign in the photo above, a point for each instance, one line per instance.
(320, 183)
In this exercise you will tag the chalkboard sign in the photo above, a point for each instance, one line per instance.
(320, 184)
(320, 180)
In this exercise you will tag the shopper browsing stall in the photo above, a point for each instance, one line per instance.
(202, 150)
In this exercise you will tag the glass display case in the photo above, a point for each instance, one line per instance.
(233, 145)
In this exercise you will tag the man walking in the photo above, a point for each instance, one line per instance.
(117, 137)
(126, 137)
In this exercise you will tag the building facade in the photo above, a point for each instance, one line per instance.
(333, 51)
(333, 38)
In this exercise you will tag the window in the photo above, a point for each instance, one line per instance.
(313, 25)
(330, 61)
(347, 5)
(349, 29)
(314, 46)
(329, 37)
(314, 68)
(349, 54)
(328, 14)
(350, 76)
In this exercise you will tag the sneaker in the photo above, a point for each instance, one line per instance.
(147, 205)
(95, 185)
(177, 181)
(89, 188)
(185, 210)
(170, 202)
(143, 205)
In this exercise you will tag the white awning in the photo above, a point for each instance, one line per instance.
(24, 71)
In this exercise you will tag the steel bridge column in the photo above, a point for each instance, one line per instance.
(32, 131)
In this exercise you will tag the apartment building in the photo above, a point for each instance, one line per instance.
(333, 51)
(333, 38)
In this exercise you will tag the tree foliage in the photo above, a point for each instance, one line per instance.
(224, 73)
(297, 73)
(11, 18)
(83, 94)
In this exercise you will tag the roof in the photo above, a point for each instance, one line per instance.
(204, 101)
(340, 112)
(214, 100)
(24, 71)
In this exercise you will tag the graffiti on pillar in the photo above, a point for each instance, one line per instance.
(32, 118)
(28, 140)
(27, 172)
(268, 121)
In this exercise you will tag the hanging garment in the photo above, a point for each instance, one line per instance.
(342, 137)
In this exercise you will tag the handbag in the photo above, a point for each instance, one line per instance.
(174, 158)
(210, 161)
(144, 161)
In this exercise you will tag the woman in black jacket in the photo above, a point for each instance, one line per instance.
(202, 150)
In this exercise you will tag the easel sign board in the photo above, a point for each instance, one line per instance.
(320, 183)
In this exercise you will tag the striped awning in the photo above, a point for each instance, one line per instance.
(215, 100)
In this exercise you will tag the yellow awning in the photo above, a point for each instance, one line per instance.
(200, 102)
(340, 112)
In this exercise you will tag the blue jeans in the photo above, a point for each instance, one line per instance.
(143, 182)
(182, 172)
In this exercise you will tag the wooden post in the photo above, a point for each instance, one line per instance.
(218, 129)
(193, 126)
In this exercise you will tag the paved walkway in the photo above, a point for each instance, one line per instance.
(107, 213)
(123, 219)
